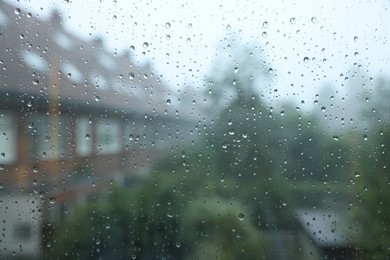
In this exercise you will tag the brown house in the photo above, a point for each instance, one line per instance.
(74, 118)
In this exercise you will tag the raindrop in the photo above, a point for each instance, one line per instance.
(241, 216)
(231, 131)
(265, 24)
(2, 167)
(87, 136)
(131, 75)
(35, 81)
(292, 20)
(52, 200)
(365, 137)
(3, 155)
(35, 169)
(17, 11)
(323, 109)
(97, 98)
(335, 137)
(167, 25)
(168, 102)
(314, 19)
(264, 34)
(306, 59)
(235, 69)
(355, 38)
(145, 45)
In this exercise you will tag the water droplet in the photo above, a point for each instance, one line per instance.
(228, 27)
(284, 203)
(167, 25)
(97, 98)
(306, 59)
(145, 45)
(355, 38)
(314, 19)
(168, 102)
(108, 226)
(2, 167)
(264, 34)
(365, 137)
(35, 81)
(335, 137)
(231, 131)
(52, 200)
(270, 70)
(282, 113)
(234, 82)
(17, 11)
(87, 136)
(265, 24)
(3, 155)
(241, 216)
(35, 169)
(323, 109)
(132, 48)
(235, 69)
(292, 20)
(131, 75)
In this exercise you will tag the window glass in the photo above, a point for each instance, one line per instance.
(108, 136)
(194, 129)
(8, 143)
(84, 143)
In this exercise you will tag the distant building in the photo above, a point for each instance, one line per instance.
(328, 235)
(74, 118)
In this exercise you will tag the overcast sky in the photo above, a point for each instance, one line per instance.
(308, 44)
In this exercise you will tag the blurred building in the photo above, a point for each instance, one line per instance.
(74, 117)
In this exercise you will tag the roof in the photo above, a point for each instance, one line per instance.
(326, 228)
(42, 61)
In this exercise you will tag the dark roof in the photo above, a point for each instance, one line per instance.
(42, 61)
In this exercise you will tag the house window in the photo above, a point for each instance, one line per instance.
(8, 143)
(50, 137)
(83, 137)
(108, 137)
